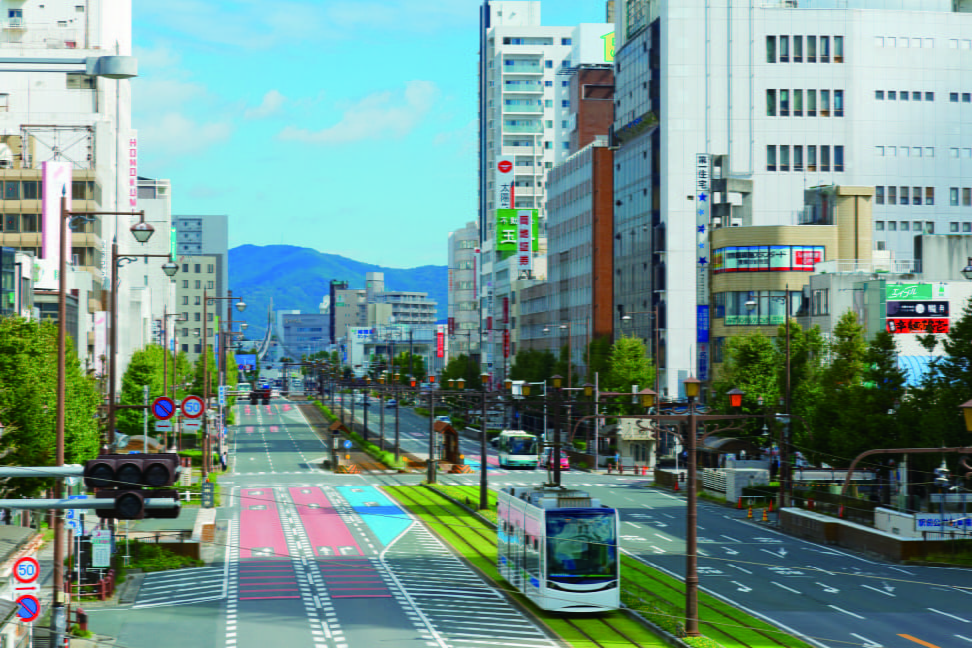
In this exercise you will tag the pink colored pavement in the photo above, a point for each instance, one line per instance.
(261, 533)
(323, 525)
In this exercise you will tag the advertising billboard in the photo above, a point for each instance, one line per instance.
(592, 44)
(507, 231)
(915, 291)
(56, 180)
(504, 193)
(767, 258)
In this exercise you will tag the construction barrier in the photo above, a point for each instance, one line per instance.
(460, 468)
(347, 470)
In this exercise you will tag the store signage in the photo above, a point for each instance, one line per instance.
(702, 323)
(524, 239)
(508, 229)
(918, 309)
(916, 291)
(922, 326)
(767, 258)
(504, 194)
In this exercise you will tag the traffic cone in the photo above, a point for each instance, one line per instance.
(676, 481)
(771, 505)
(750, 515)
(765, 516)
(739, 503)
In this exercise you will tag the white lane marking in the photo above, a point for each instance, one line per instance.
(951, 616)
(845, 611)
(867, 643)
(740, 568)
(786, 588)
(632, 524)
(729, 538)
(879, 591)
(964, 638)
(663, 537)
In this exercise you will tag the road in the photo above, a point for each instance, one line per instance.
(317, 560)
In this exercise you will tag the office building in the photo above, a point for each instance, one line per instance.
(789, 95)
(203, 258)
(524, 130)
(463, 310)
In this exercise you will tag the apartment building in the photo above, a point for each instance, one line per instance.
(788, 95)
(202, 254)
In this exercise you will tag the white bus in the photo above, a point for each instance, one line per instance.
(517, 449)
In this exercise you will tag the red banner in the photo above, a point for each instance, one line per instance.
(440, 343)
(914, 325)
(489, 323)
(506, 343)
(452, 326)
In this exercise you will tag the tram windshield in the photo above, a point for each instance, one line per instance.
(582, 545)
(521, 445)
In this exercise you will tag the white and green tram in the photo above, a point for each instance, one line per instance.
(560, 548)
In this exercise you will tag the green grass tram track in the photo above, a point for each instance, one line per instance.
(476, 541)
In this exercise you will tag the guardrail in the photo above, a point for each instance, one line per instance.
(103, 588)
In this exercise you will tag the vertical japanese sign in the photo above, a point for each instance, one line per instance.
(503, 194)
(506, 343)
(703, 166)
(56, 179)
(132, 170)
(524, 239)
(100, 341)
(440, 341)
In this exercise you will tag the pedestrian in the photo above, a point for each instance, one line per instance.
(222, 461)
(617, 461)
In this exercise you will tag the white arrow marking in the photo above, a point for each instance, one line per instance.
(786, 588)
(663, 537)
(879, 591)
(730, 539)
(742, 588)
(731, 552)
(782, 552)
(828, 589)
(887, 587)
(740, 568)
(657, 549)
(867, 642)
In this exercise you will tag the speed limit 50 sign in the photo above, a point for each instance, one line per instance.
(26, 571)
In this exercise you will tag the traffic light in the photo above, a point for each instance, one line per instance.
(130, 470)
(129, 480)
(130, 503)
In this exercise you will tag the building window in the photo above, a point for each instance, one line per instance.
(892, 195)
(198, 300)
(798, 158)
(953, 196)
(820, 302)
(811, 49)
(771, 103)
(198, 284)
(916, 195)
(929, 96)
(838, 158)
(825, 49)
(798, 49)
(185, 300)
(825, 103)
(892, 226)
(811, 103)
(930, 196)
(879, 151)
(211, 268)
(953, 97)
(798, 103)
(905, 225)
(811, 158)
(771, 49)
(878, 195)
(198, 265)
(966, 97)
(879, 226)
(838, 103)
(784, 49)
(929, 227)
(904, 95)
(953, 228)
(770, 158)
(825, 158)
(966, 196)
(892, 95)
(185, 283)
(784, 158)
(903, 196)
(929, 151)
(879, 95)
(784, 103)
(548, 64)
(838, 49)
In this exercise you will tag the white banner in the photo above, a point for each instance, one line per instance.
(56, 179)
(504, 197)
(524, 238)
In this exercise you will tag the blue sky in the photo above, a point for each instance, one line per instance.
(344, 126)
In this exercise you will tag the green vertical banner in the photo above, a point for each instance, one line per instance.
(172, 243)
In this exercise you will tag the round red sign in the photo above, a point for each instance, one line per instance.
(505, 166)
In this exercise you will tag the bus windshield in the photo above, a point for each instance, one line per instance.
(521, 445)
(582, 545)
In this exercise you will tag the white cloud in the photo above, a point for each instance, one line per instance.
(462, 139)
(272, 103)
(176, 134)
(378, 115)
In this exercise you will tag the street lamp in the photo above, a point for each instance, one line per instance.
(967, 270)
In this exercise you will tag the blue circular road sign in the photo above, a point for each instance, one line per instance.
(348, 444)
(28, 608)
(163, 408)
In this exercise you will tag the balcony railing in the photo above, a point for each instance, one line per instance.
(524, 128)
(523, 68)
(521, 108)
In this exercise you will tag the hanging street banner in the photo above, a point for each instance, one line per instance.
(703, 198)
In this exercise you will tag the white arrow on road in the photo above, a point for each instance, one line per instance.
(829, 589)
(742, 588)
(887, 587)
(731, 552)
(867, 642)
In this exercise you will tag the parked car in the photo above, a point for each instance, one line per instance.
(444, 419)
(391, 403)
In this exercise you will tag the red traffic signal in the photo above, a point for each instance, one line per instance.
(124, 470)
(130, 503)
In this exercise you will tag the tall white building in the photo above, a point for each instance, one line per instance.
(65, 96)
(794, 94)
(524, 111)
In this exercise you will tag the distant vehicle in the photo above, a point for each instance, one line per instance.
(517, 449)
(444, 419)
(494, 442)
(546, 459)
(391, 403)
(262, 395)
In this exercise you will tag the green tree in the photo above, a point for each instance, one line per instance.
(599, 351)
(532, 365)
(629, 366)
(409, 365)
(28, 402)
(144, 368)
(751, 364)
(211, 370)
(462, 366)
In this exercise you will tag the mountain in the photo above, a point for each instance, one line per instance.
(298, 278)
